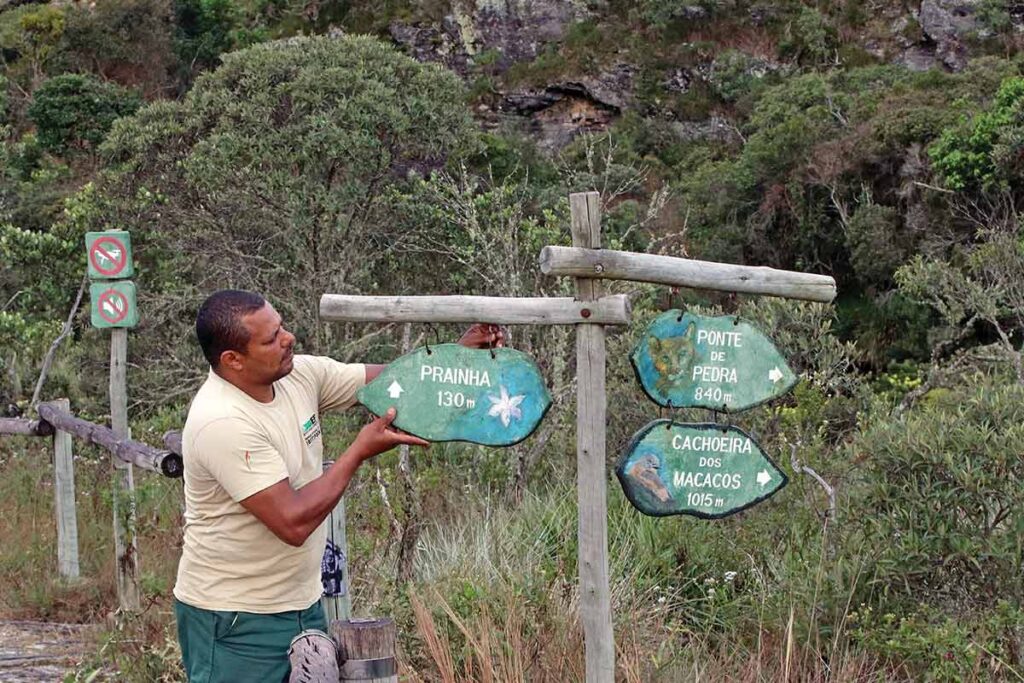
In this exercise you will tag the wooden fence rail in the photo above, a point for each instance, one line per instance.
(165, 462)
(25, 427)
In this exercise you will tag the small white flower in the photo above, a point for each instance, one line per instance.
(506, 407)
(661, 600)
(729, 576)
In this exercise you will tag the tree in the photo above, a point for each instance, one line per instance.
(269, 176)
(75, 111)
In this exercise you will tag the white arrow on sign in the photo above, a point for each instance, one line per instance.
(763, 477)
(775, 374)
(395, 390)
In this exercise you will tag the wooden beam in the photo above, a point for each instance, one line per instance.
(682, 272)
(609, 310)
(591, 488)
(135, 452)
(25, 427)
(64, 500)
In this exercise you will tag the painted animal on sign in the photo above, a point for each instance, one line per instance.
(673, 358)
(645, 472)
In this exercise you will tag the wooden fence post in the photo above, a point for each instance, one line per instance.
(125, 543)
(591, 406)
(338, 606)
(366, 650)
(64, 500)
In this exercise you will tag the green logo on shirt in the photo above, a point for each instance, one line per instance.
(311, 429)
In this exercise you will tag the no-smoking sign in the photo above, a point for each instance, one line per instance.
(113, 304)
(110, 255)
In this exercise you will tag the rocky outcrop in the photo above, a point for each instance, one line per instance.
(949, 24)
(557, 114)
(510, 31)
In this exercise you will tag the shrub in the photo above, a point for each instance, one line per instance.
(984, 153)
(74, 111)
(941, 496)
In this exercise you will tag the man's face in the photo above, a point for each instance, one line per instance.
(269, 354)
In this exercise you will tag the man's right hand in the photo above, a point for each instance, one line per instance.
(379, 436)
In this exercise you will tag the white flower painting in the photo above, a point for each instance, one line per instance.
(506, 408)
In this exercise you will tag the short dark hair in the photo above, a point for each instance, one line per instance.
(219, 324)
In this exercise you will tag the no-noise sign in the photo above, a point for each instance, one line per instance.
(113, 304)
(109, 255)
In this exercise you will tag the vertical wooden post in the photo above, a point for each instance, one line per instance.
(338, 606)
(64, 500)
(366, 650)
(591, 404)
(125, 543)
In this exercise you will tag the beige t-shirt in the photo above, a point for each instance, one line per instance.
(234, 446)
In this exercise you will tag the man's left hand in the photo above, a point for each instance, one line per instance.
(483, 336)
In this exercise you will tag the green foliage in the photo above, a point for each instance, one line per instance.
(941, 496)
(128, 40)
(937, 647)
(736, 75)
(31, 32)
(810, 38)
(206, 29)
(984, 152)
(872, 236)
(74, 112)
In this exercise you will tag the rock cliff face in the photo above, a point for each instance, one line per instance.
(504, 33)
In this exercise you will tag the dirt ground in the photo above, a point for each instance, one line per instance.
(41, 651)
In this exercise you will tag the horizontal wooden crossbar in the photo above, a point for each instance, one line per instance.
(139, 454)
(681, 272)
(25, 427)
(609, 310)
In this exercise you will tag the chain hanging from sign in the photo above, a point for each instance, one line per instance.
(448, 392)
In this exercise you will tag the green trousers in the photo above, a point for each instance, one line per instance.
(239, 647)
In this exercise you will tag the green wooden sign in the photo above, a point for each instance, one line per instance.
(109, 255)
(724, 363)
(113, 304)
(704, 470)
(452, 393)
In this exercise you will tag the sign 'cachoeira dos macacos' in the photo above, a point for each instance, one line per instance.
(448, 392)
(705, 470)
(722, 363)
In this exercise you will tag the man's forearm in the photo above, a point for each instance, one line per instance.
(311, 504)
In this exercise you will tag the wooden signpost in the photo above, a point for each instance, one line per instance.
(724, 364)
(113, 305)
(449, 392)
(586, 261)
(590, 311)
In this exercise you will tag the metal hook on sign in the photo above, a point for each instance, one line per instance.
(437, 336)
(672, 293)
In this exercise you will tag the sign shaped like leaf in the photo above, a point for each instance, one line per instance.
(694, 361)
(704, 470)
(452, 393)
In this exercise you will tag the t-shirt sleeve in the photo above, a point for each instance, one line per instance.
(338, 382)
(239, 456)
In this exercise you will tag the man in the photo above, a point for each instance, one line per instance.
(255, 493)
